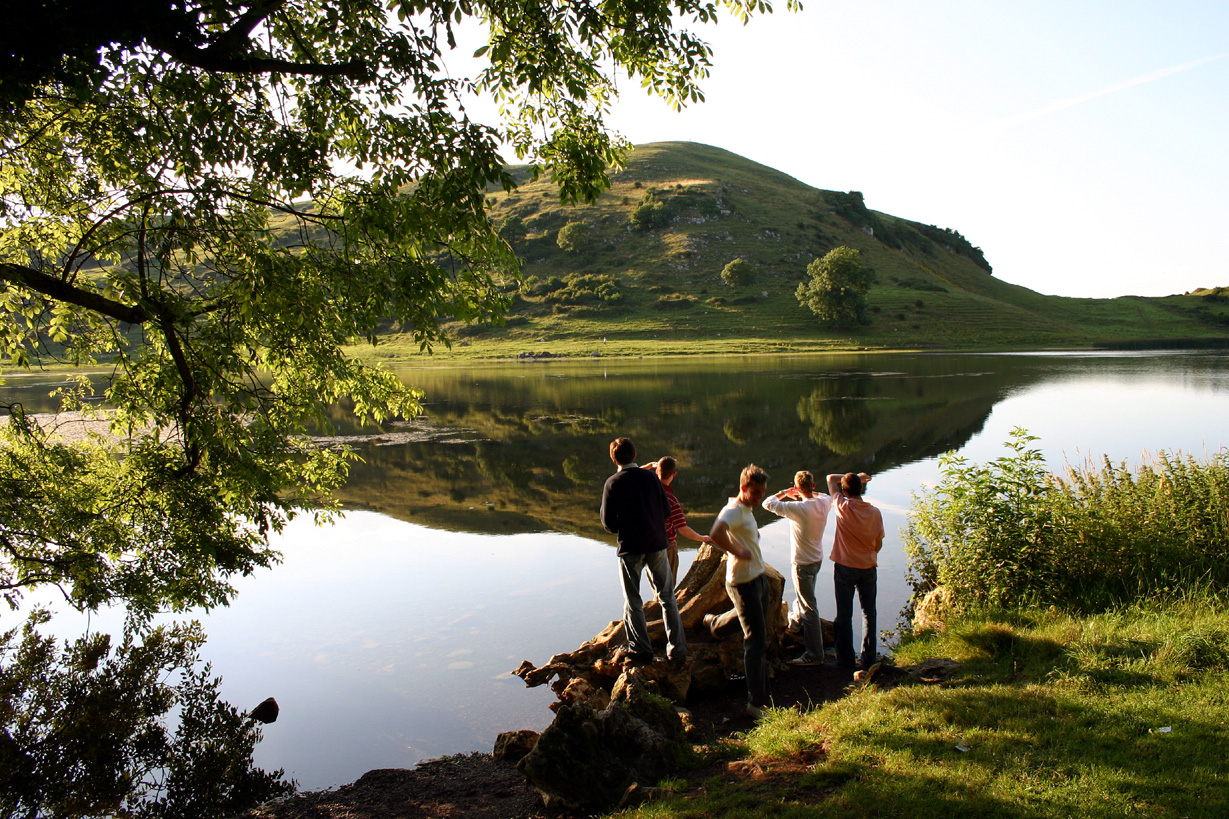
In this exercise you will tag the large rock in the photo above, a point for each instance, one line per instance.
(513, 746)
(589, 759)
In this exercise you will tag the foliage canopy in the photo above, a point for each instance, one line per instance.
(836, 288)
(149, 151)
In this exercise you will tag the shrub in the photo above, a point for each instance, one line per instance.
(573, 237)
(585, 288)
(738, 273)
(980, 534)
(676, 302)
(1010, 533)
(651, 212)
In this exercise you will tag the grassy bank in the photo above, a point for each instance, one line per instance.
(1105, 697)
(1118, 714)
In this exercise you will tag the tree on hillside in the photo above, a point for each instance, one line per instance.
(836, 288)
(738, 273)
(217, 197)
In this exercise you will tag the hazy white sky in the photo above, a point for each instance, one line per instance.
(1082, 144)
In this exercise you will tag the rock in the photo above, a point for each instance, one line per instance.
(588, 758)
(266, 712)
(513, 746)
(936, 669)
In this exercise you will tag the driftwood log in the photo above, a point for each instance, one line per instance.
(593, 676)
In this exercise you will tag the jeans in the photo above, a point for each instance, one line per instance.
(634, 622)
(750, 605)
(847, 580)
(806, 611)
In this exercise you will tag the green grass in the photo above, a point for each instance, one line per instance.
(1049, 715)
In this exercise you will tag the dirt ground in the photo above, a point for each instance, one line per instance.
(477, 786)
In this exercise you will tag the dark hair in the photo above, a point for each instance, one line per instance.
(851, 484)
(623, 451)
(666, 467)
(752, 474)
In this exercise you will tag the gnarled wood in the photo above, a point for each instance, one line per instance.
(592, 675)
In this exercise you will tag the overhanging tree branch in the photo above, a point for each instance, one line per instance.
(40, 282)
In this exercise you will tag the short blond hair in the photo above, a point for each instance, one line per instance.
(804, 481)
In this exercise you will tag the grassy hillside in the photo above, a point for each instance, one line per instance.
(640, 269)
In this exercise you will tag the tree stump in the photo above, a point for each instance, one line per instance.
(591, 674)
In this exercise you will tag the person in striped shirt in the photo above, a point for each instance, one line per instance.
(676, 523)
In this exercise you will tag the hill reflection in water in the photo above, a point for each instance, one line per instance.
(523, 447)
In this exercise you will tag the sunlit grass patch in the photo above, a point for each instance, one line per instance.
(1050, 715)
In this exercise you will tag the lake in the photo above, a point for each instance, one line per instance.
(473, 540)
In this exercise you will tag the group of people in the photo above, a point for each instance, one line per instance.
(639, 507)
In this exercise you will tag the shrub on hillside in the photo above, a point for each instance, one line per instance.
(1009, 533)
(738, 273)
(651, 212)
(574, 237)
(585, 288)
(675, 302)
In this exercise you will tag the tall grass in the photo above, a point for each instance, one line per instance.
(1010, 534)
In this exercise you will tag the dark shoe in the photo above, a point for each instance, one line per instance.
(677, 662)
(755, 712)
(804, 660)
(625, 654)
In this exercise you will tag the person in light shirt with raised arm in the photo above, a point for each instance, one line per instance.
(807, 511)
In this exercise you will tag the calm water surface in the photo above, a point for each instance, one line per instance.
(473, 542)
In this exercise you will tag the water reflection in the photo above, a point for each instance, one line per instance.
(521, 447)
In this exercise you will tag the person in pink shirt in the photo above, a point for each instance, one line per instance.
(854, 556)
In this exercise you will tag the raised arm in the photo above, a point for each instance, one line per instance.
(834, 483)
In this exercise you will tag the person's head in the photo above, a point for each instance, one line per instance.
(752, 485)
(667, 468)
(851, 485)
(622, 451)
(804, 482)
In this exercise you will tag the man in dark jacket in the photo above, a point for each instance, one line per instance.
(634, 507)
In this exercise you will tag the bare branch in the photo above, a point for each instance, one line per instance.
(50, 286)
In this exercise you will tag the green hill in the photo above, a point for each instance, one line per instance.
(639, 271)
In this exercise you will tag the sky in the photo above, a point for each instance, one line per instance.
(1083, 145)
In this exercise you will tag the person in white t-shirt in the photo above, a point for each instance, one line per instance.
(736, 533)
(808, 516)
